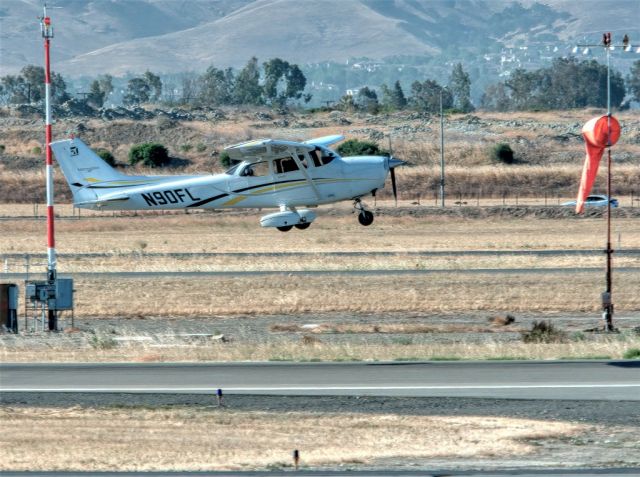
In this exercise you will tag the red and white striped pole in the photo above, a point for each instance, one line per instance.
(47, 34)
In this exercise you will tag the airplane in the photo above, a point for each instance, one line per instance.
(291, 176)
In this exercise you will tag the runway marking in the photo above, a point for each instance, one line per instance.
(316, 388)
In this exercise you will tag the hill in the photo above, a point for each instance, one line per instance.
(168, 36)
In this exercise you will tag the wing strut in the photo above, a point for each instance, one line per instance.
(305, 173)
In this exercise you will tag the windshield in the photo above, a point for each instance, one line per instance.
(232, 171)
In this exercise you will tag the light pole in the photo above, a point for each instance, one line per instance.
(607, 299)
(441, 153)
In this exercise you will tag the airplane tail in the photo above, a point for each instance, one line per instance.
(84, 169)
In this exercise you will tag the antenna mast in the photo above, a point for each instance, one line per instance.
(47, 34)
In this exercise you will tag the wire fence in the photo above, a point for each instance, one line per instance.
(68, 211)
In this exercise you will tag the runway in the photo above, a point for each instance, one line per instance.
(561, 380)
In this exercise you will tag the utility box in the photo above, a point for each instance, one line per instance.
(57, 297)
(9, 306)
(64, 294)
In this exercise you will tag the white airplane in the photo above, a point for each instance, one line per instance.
(291, 176)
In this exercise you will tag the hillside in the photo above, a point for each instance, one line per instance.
(168, 36)
(548, 147)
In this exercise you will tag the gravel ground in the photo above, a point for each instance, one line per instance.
(251, 328)
(610, 438)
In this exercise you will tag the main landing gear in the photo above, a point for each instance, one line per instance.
(301, 226)
(365, 217)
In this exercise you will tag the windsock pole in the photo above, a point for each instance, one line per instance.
(47, 34)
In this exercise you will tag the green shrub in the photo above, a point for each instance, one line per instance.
(503, 153)
(106, 156)
(632, 353)
(36, 151)
(201, 147)
(544, 332)
(2, 148)
(355, 147)
(149, 154)
(186, 147)
(226, 160)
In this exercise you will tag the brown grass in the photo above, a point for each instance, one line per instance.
(105, 349)
(188, 438)
(342, 293)
(242, 233)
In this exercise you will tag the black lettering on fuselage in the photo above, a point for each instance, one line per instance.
(190, 196)
(171, 197)
(165, 197)
(150, 200)
(160, 198)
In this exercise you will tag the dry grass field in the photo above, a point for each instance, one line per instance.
(209, 438)
(336, 229)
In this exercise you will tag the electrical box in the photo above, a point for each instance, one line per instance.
(9, 306)
(57, 297)
(64, 294)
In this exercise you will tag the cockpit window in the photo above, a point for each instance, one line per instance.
(233, 170)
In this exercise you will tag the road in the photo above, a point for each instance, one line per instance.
(373, 272)
(573, 380)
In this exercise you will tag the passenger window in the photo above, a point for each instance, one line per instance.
(286, 164)
(259, 169)
(303, 160)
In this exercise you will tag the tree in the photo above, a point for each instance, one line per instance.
(495, 98)
(154, 83)
(99, 90)
(247, 89)
(28, 86)
(138, 91)
(368, 100)
(149, 154)
(106, 156)
(283, 81)
(426, 96)
(633, 80)
(216, 87)
(460, 87)
(398, 100)
(355, 147)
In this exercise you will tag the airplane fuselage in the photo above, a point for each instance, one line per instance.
(342, 179)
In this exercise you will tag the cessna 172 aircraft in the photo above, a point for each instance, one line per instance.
(291, 176)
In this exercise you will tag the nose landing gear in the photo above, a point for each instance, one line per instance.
(365, 217)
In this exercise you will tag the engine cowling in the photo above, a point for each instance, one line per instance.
(288, 218)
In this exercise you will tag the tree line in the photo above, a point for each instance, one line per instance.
(566, 84)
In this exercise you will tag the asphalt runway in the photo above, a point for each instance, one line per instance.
(557, 380)
(374, 272)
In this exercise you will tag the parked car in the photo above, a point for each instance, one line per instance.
(594, 201)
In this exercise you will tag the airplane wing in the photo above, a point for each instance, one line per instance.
(325, 141)
(261, 149)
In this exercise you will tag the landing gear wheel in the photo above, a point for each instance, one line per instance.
(303, 226)
(285, 228)
(365, 218)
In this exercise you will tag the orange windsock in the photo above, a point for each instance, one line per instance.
(598, 133)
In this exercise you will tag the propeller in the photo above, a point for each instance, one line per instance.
(393, 163)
